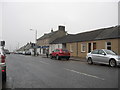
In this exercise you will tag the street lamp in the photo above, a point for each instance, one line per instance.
(35, 34)
(35, 40)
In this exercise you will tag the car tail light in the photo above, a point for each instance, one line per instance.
(3, 70)
(2, 58)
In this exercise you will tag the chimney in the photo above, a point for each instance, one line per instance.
(61, 28)
(52, 30)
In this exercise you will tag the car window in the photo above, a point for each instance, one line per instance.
(57, 50)
(110, 52)
(101, 52)
(65, 50)
(95, 52)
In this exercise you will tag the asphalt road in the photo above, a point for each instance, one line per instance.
(40, 72)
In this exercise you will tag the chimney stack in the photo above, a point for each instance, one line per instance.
(51, 30)
(61, 28)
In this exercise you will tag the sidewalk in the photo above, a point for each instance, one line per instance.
(71, 58)
(78, 59)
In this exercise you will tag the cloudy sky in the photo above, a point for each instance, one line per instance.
(17, 17)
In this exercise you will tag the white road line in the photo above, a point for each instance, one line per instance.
(84, 74)
(44, 62)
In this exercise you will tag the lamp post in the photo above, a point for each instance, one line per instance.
(35, 40)
(35, 34)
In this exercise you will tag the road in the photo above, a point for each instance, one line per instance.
(40, 72)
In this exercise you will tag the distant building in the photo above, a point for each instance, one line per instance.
(27, 47)
(81, 44)
(44, 41)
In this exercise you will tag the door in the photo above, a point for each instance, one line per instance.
(102, 58)
(94, 55)
(89, 47)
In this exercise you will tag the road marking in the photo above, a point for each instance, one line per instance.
(84, 74)
(44, 62)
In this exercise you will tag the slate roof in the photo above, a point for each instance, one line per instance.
(100, 34)
(48, 35)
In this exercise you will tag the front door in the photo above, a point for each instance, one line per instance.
(89, 47)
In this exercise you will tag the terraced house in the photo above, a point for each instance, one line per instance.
(82, 43)
(44, 41)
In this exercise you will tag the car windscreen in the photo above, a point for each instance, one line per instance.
(110, 52)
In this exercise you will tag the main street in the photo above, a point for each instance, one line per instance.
(41, 72)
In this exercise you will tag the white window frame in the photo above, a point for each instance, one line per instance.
(83, 44)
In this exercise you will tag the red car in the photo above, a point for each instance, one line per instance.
(2, 61)
(60, 53)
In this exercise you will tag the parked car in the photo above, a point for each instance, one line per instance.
(3, 63)
(60, 53)
(6, 51)
(27, 53)
(103, 56)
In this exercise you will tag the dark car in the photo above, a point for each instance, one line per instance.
(27, 53)
(60, 53)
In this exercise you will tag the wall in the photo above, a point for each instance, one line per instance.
(72, 47)
(100, 44)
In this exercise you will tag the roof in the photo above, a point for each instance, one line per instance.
(63, 39)
(47, 35)
(100, 34)
(26, 47)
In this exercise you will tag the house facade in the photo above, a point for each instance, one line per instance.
(81, 44)
(44, 41)
(27, 47)
(80, 49)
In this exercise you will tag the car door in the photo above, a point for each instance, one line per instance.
(102, 57)
(94, 55)
(53, 53)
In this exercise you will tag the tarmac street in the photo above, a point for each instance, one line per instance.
(41, 72)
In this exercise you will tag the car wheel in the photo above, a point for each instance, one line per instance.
(90, 61)
(67, 58)
(112, 63)
(57, 57)
(4, 76)
(51, 56)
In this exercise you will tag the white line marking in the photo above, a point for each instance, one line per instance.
(84, 74)
(44, 62)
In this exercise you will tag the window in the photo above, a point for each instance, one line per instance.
(108, 45)
(95, 52)
(101, 52)
(94, 46)
(57, 50)
(83, 47)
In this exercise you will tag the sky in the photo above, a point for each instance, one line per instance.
(17, 17)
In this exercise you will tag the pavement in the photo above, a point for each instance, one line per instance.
(71, 58)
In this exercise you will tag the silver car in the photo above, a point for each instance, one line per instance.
(103, 56)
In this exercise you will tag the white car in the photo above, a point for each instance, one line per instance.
(103, 56)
